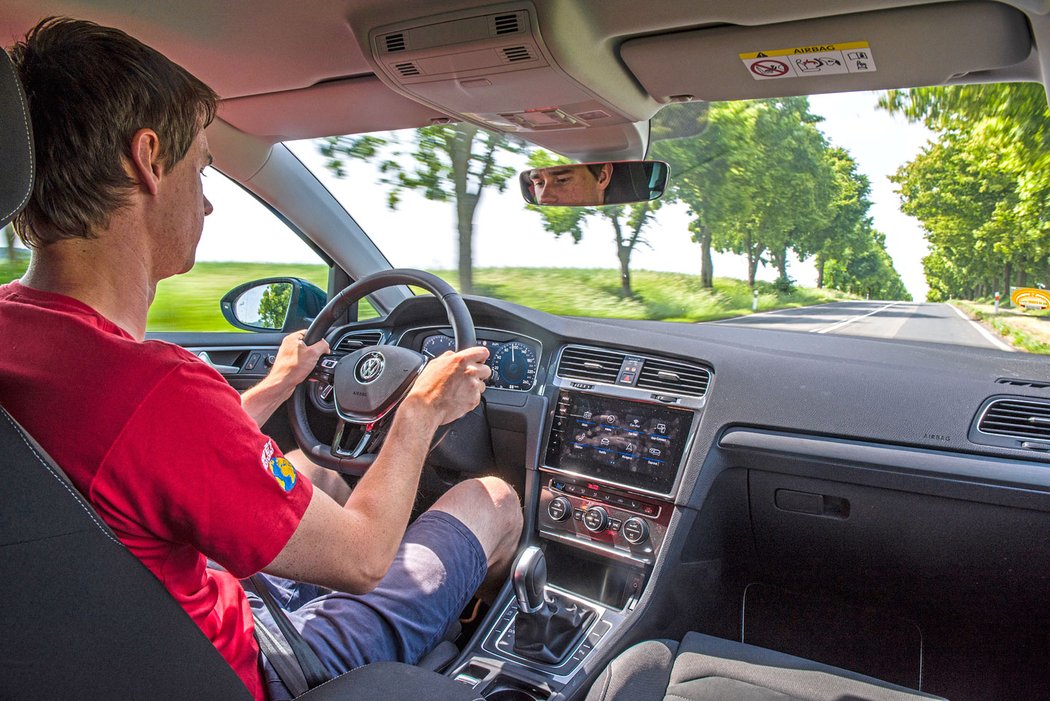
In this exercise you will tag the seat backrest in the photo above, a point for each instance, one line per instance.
(16, 144)
(81, 617)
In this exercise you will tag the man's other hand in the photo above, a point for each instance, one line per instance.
(451, 384)
(296, 360)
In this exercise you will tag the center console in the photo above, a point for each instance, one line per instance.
(611, 465)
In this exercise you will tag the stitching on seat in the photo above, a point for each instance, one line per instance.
(76, 496)
(29, 139)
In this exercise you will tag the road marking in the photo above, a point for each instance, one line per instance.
(844, 322)
(984, 332)
(768, 312)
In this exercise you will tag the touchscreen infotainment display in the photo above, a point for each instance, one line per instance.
(630, 443)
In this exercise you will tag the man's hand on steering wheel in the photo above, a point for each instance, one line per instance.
(451, 384)
(296, 360)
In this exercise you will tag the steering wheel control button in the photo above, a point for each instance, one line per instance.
(329, 363)
(635, 531)
(595, 519)
(370, 367)
(559, 508)
(326, 392)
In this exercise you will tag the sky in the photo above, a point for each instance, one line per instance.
(422, 234)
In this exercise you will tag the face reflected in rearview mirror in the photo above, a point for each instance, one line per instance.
(593, 184)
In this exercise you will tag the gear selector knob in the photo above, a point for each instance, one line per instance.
(530, 579)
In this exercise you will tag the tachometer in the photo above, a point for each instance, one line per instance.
(435, 345)
(514, 366)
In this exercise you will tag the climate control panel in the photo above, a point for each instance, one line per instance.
(603, 519)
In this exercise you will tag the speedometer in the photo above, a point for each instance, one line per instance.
(514, 366)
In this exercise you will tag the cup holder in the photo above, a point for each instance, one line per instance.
(510, 695)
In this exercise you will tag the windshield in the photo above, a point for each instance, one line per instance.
(901, 215)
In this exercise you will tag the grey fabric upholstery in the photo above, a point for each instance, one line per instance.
(705, 668)
(16, 143)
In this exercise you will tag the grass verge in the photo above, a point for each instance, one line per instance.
(1025, 330)
(190, 302)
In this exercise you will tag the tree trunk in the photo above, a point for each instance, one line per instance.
(782, 263)
(752, 262)
(9, 237)
(466, 203)
(820, 272)
(623, 253)
(707, 273)
(1007, 275)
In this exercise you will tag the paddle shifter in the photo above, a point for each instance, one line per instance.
(547, 626)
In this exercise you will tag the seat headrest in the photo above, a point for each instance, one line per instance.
(16, 143)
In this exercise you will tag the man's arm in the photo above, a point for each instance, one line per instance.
(350, 548)
(295, 360)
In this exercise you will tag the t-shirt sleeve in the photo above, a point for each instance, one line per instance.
(192, 467)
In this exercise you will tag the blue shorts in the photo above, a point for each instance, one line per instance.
(438, 567)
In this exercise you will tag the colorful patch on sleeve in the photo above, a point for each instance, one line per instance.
(279, 468)
(284, 473)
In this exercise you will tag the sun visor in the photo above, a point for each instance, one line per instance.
(904, 47)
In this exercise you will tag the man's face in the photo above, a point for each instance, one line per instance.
(570, 185)
(184, 209)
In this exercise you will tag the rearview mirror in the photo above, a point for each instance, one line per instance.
(274, 304)
(594, 184)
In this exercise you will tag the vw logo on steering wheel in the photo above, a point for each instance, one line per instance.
(370, 367)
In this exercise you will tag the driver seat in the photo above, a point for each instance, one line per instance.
(82, 617)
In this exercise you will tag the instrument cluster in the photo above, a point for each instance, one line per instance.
(513, 360)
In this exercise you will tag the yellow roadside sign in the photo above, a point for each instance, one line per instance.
(1031, 298)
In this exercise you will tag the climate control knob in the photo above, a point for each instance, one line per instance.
(559, 508)
(595, 519)
(635, 530)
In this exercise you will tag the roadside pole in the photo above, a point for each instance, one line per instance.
(997, 304)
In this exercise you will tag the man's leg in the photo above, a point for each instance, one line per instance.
(328, 481)
(441, 563)
(490, 508)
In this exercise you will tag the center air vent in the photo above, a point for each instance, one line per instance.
(590, 364)
(676, 378)
(1017, 418)
(357, 340)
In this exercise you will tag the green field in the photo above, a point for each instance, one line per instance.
(190, 302)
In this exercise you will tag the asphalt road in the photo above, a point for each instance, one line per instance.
(911, 321)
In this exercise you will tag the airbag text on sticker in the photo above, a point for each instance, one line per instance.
(809, 61)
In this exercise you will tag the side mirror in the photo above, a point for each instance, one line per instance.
(593, 184)
(273, 304)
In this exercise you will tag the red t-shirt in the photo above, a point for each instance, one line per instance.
(158, 443)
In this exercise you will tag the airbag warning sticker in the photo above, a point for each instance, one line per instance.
(809, 61)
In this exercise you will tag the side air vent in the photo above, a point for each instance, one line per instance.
(1017, 418)
(395, 42)
(1017, 382)
(355, 341)
(676, 378)
(407, 70)
(507, 24)
(590, 364)
(513, 54)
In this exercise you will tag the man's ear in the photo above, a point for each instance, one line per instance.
(145, 160)
(605, 176)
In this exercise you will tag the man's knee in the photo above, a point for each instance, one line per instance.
(490, 508)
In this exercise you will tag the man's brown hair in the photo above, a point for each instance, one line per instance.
(90, 88)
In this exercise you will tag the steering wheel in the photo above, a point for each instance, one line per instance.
(368, 384)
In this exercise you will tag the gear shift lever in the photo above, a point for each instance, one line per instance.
(546, 626)
(530, 579)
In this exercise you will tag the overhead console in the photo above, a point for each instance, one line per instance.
(481, 66)
(618, 435)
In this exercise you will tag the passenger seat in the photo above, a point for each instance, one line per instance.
(703, 668)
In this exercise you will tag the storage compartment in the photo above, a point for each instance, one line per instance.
(592, 577)
(858, 538)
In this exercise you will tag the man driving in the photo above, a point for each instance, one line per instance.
(579, 185)
(170, 455)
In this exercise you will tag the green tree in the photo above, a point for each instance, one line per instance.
(626, 221)
(980, 190)
(864, 268)
(450, 163)
(273, 305)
